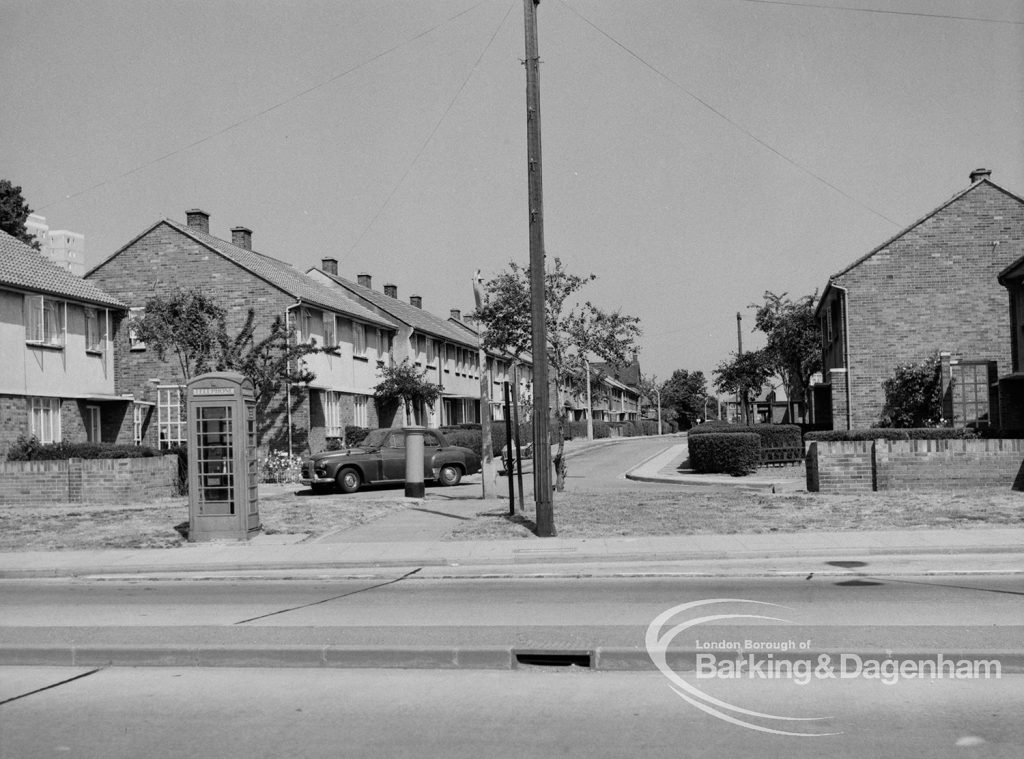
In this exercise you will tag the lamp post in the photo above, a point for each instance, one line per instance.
(657, 392)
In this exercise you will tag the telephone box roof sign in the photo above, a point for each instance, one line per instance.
(225, 384)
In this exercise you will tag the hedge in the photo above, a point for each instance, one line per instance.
(735, 453)
(30, 449)
(769, 435)
(898, 433)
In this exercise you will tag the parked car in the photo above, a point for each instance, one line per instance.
(380, 459)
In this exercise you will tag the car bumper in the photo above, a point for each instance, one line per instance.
(316, 481)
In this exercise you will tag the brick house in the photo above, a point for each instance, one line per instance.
(448, 353)
(931, 289)
(170, 255)
(57, 375)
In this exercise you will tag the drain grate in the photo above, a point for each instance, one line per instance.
(554, 658)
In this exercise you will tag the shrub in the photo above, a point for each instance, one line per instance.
(354, 435)
(733, 453)
(181, 451)
(896, 433)
(913, 396)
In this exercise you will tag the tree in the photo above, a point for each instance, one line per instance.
(793, 350)
(186, 323)
(685, 392)
(913, 396)
(407, 385)
(747, 373)
(14, 212)
(575, 332)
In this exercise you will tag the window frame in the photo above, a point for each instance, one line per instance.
(45, 419)
(164, 417)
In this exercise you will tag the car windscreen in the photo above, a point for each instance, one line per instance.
(375, 439)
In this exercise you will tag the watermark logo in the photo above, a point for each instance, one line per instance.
(749, 658)
(658, 643)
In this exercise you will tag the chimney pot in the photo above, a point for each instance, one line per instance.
(196, 218)
(329, 265)
(979, 174)
(391, 291)
(364, 280)
(416, 300)
(457, 314)
(242, 237)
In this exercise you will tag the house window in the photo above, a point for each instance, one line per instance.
(431, 352)
(972, 382)
(44, 419)
(305, 325)
(169, 416)
(358, 339)
(134, 343)
(138, 418)
(330, 331)
(359, 415)
(93, 332)
(93, 429)
(332, 413)
(372, 340)
(47, 321)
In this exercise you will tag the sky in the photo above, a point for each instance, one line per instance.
(696, 153)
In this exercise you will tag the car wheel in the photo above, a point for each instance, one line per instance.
(348, 480)
(449, 475)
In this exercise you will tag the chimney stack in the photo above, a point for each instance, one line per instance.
(242, 237)
(198, 219)
(979, 174)
(329, 265)
(364, 281)
(457, 314)
(391, 291)
(416, 300)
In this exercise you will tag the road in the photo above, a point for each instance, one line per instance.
(120, 713)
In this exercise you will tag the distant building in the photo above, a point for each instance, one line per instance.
(64, 248)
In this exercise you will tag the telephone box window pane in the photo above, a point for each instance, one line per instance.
(215, 457)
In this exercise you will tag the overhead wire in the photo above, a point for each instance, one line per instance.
(890, 12)
(269, 109)
(725, 117)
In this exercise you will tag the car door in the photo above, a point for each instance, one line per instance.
(392, 457)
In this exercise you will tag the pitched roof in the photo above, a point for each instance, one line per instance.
(923, 219)
(25, 268)
(279, 274)
(415, 317)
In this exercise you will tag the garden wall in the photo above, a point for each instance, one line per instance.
(867, 465)
(88, 480)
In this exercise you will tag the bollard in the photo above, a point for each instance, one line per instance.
(414, 487)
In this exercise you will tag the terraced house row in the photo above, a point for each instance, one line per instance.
(73, 369)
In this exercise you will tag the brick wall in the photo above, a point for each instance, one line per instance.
(88, 480)
(933, 289)
(840, 467)
(865, 465)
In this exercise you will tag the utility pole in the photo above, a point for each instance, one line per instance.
(741, 394)
(489, 474)
(541, 391)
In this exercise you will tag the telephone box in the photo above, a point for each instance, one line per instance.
(222, 467)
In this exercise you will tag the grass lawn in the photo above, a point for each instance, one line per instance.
(288, 509)
(151, 525)
(579, 514)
